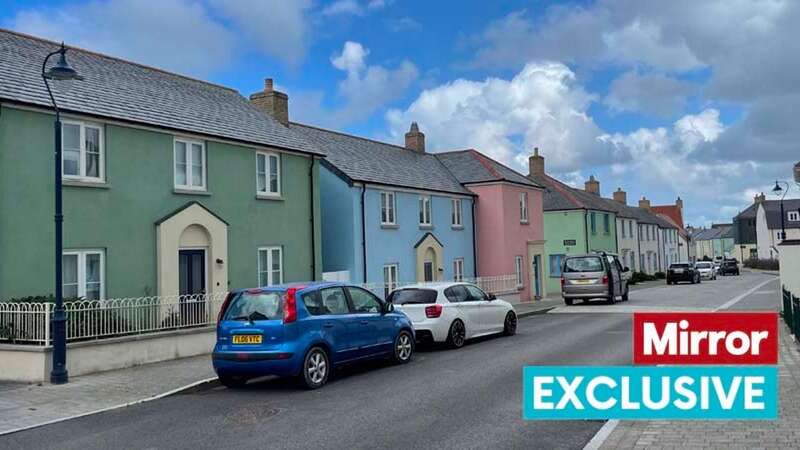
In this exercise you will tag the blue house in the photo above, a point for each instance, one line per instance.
(391, 214)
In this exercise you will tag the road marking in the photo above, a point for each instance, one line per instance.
(602, 434)
(739, 298)
(609, 309)
(110, 408)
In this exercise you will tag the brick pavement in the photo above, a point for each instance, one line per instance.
(26, 405)
(772, 434)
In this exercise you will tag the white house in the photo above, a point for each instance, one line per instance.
(768, 225)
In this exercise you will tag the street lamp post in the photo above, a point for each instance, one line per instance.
(777, 191)
(61, 71)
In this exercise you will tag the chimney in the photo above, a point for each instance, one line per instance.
(272, 102)
(759, 198)
(644, 203)
(679, 203)
(415, 139)
(536, 163)
(592, 186)
(621, 196)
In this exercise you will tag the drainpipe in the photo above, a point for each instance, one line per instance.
(474, 244)
(638, 246)
(363, 234)
(313, 233)
(586, 227)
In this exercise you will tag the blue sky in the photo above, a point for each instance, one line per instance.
(659, 98)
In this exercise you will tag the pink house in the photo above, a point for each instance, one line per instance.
(509, 227)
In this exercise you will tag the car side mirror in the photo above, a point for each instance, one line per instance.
(388, 307)
(626, 269)
(491, 297)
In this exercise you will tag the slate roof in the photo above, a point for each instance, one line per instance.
(116, 89)
(749, 212)
(772, 208)
(717, 231)
(371, 161)
(557, 195)
(471, 166)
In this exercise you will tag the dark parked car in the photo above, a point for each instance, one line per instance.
(729, 267)
(682, 271)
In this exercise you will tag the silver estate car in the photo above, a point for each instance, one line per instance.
(594, 275)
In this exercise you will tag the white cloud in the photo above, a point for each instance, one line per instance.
(343, 7)
(541, 106)
(135, 30)
(275, 27)
(364, 90)
(651, 94)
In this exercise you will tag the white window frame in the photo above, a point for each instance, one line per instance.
(268, 271)
(189, 162)
(390, 275)
(456, 216)
(388, 204)
(793, 216)
(82, 159)
(523, 207)
(519, 265)
(267, 192)
(458, 269)
(81, 270)
(425, 211)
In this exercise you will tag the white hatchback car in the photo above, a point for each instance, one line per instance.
(453, 312)
(706, 269)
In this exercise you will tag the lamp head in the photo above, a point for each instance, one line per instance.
(777, 189)
(62, 70)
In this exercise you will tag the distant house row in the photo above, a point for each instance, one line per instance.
(757, 230)
(174, 185)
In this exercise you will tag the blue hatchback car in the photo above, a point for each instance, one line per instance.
(304, 330)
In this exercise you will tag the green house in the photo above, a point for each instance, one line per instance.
(171, 185)
(575, 221)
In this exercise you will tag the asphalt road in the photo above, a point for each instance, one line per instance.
(468, 398)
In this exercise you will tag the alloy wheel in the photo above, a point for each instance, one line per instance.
(457, 333)
(403, 348)
(317, 367)
(510, 325)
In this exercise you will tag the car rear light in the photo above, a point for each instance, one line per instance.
(290, 305)
(605, 279)
(433, 311)
(563, 282)
(224, 307)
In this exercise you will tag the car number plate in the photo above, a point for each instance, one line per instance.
(678, 270)
(247, 339)
(583, 281)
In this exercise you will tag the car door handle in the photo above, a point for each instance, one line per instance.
(328, 325)
(365, 322)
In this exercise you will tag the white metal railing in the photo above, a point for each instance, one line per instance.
(29, 323)
(501, 284)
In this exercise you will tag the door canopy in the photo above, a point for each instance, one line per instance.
(431, 250)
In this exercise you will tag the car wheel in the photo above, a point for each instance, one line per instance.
(403, 347)
(510, 324)
(316, 368)
(457, 334)
(568, 301)
(232, 382)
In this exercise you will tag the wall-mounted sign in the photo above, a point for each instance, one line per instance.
(569, 242)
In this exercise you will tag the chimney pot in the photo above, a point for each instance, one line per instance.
(644, 203)
(415, 139)
(536, 163)
(621, 196)
(592, 186)
(272, 102)
(759, 198)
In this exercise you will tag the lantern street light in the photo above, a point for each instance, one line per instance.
(778, 190)
(60, 72)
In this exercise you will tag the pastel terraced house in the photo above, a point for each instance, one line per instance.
(172, 185)
(391, 214)
(575, 221)
(509, 221)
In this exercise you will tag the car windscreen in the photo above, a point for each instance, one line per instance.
(412, 296)
(679, 266)
(703, 265)
(583, 264)
(255, 306)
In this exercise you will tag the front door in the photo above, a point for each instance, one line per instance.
(537, 289)
(428, 268)
(192, 285)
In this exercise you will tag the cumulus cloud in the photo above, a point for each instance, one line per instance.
(343, 7)
(540, 106)
(364, 89)
(651, 94)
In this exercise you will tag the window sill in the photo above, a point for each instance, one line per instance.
(190, 192)
(524, 222)
(426, 227)
(457, 227)
(269, 197)
(88, 184)
(389, 226)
